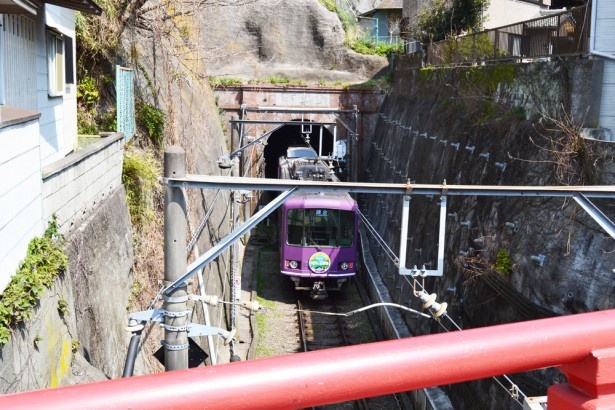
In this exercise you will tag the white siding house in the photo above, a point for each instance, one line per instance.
(38, 113)
(602, 45)
(504, 12)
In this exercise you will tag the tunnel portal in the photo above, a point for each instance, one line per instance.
(289, 135)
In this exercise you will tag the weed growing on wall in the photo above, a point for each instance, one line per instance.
(140, 173)
(503, 262)
(153, 119)
(141, 169)
(45, 260)
(224, 82)
(560, 143)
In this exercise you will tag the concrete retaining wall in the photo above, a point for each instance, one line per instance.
(75, 185)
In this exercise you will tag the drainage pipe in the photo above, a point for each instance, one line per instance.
(346, 373)
(131, 355)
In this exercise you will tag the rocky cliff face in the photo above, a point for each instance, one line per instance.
(296, 40)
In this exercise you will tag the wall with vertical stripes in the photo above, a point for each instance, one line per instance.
(20, 195)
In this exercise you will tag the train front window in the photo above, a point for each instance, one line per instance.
(320, 227)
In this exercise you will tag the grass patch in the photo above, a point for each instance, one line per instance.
(140, 178)
(224, 82)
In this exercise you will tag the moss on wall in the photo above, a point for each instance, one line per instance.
(495, 125)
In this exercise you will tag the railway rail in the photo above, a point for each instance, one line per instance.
(324, 324)
(292, 322)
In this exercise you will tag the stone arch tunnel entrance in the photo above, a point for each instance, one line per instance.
(289, 135)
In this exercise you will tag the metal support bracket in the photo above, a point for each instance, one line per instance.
(175, 347)
(403, 243)
(228, 240)
(156, 315)
(595, 213)
(204, 330)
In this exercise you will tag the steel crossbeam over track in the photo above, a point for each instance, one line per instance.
(262, 184)
(579, 193)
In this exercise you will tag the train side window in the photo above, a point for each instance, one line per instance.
(294, 227)
(347, 228)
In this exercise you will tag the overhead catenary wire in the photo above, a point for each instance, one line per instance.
(201, 226)
(514, 390)
(388, 251)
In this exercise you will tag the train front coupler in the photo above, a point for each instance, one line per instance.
(319, 291)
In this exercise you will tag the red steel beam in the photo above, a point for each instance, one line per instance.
(341, 374)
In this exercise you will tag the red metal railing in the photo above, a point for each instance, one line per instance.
(579, 342)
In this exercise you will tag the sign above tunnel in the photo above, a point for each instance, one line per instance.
(314, 100)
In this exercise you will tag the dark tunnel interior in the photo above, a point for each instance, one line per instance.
(289, 135)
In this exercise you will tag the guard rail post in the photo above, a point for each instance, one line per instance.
(591, 383)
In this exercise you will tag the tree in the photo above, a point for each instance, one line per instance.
(440, 19)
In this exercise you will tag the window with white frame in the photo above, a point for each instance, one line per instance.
(55, 62)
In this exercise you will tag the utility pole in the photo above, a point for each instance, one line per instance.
(175, 263)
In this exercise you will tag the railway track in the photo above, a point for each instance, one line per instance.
(322, 327)
(323, 324)
(292, 322)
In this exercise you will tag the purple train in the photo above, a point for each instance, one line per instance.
(318, 232)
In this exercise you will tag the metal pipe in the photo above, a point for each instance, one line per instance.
(320, 141)
(131, 355)
(221, 246)
(346, 373)
(265, 122)
(265, 184)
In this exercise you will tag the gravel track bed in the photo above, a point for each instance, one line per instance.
(278, 331)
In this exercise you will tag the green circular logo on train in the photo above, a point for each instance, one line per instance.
(319, 262)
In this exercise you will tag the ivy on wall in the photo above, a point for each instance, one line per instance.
(45, 260)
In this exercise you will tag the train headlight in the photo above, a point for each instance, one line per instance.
(344, 266)
(293, 264)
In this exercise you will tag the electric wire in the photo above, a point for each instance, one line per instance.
(198, 230)
(514, 391)
(388, 251)
(364, 308)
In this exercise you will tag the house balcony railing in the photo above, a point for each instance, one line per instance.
(561, 34)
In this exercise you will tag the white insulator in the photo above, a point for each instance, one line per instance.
(438, 309)
(427, 300)
(228, 336)
(252, 306)
(134, 326)
(211, 300)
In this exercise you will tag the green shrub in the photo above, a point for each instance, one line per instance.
(471, 48)
(367, 46)
(45, 260)
(108, 121)
(503, 263)
(329, 4)
(153, 120)
(87, 91)
(86, 124)
(140, 173)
